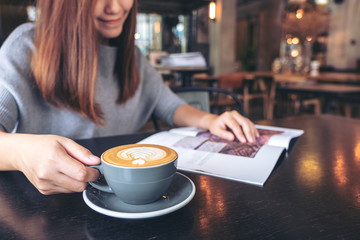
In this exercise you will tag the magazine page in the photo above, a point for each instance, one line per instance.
(275, 136)
(201, 151)
(278, 136)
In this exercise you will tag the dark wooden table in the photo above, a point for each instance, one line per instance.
(314, 193)
(330, 89)
(185, 73)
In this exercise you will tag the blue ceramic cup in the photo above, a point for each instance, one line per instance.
(137, 173)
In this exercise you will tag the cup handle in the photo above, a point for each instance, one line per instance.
(100, 186)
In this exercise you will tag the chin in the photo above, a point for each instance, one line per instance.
(111, 33)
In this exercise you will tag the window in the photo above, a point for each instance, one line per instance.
(163, 33)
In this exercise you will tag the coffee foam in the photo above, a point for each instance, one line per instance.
(139, 155)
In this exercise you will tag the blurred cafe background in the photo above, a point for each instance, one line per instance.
(281, 57)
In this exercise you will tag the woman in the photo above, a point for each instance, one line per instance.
(76, 74)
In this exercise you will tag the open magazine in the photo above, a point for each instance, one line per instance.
(200, 151)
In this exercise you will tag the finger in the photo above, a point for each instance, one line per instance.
(75, 169)
(67, 184)
(254, 129)
(247, 129)
(53, 189)
(235, 127)
(47, 187)
(79, 152)
(61, 183)
(257, 132)
(243, 129)
(224, 134)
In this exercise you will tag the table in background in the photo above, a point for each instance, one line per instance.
(246, 85)
(337, 77)
(323, 84)
(314, 193)
(324, 77)
(346, 84)
(328, 90)
(185, 73)
(206, 80)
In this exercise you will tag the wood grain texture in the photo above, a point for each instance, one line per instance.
(313, 193)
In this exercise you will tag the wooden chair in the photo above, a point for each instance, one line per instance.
(350, 104)
(296, 104)
(246, 89)
(287, 104)
(208, 99)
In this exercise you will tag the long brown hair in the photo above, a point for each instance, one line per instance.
(65, 59)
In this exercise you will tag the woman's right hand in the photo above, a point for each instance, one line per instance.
(53, 164)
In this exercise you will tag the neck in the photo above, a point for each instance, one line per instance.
(104, 41)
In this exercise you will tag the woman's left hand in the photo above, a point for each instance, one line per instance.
(231, 125)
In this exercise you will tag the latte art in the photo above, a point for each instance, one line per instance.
(139, 155)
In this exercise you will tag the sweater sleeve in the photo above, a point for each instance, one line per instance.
(15, 56)
(166, 102)
(8, 110)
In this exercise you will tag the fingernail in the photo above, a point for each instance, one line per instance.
(94, 158)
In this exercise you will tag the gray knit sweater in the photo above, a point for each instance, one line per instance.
(23, 109)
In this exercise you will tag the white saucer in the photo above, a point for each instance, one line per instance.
(180, 193)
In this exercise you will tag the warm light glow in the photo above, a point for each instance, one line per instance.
(357, 152)
(289, 41)
(299, 14)
(310, 171)
(157, 27)
(294, 53)
(321, 2)
(212, 199)
(308, 38)
(295, 40)
(212, 10)
(137, 36)
(340, 169)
